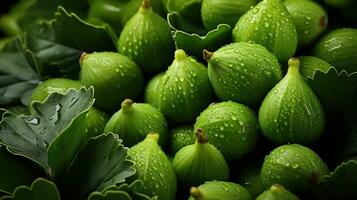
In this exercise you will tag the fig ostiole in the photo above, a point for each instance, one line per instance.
(242, 72)
(194, 164)
(291, 112)
(134, 120)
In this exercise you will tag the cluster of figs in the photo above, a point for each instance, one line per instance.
(255, 97)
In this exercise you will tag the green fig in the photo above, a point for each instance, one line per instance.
(231, 127)
(339, 49)
(180, 137)
(151, 95)
(54, 85)
(194, 164)
(249, 177)
(310, 20)
(146, 39)
(215, 12)
(296, 167)
(133, 6)
(242, 72)
(277, 192)
(134, 120)
(114, 77)
(269, 24)
(309, 65)
(184, 91)
(95, 122)
(153, 168)
(219, 190)
(291, 112)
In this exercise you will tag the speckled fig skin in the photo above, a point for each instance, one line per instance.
(242, 72)
(151, 95)
(338, 48)
(295, 167)
(134, 120)
(219, 190)
(95, 122)
(231, 127)
(310, 20)
(268, 24)
(114, 77)
(184, 91)
(194, 164)
(291, 112)
(180, 137)
(277, 192)
(215, 12)
(146, 39)
(153, 168)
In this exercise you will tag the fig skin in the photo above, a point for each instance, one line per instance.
(147, 40)
(291, 112)
(294, 166)
(215, 12)
(270, 25)
(134, 120)
(242, 72)
(194, 164)
(277, 192)
(153, 168)
(114, 77)
(180, 137)
(184, 91)
(231, 127)
(133, 6)
(338, 48)
(151, 95)
(219, 190)
(310, 19)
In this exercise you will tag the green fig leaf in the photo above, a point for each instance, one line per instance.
(37, 136)
(100, 163)
(58, 44)
(194, 44)
(40, 189)
(123, 191)
(176, 22)
(18, 73)
(340, 184)
(15, 171)
(338, 95)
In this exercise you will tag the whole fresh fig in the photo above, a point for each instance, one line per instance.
(114, 77)
(269, 24)
(277, 192)
(146, 39)
(291, 112)
(184, 91)
(295, 167)
(219, 190)
(215, 12)
(339, 49)
(194, 164)
(310, 19)
(242, 72)
(153, 168)
(134, 120)
(181, 137)
(231, 127)
(151, 93)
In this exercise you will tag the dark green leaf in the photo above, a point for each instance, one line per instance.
(177, 23)
(123, 191)
(15, 171)
(41, 189)
(102, 162)
(340, 184)
(31, 136)
(18, 73)
(57, 45)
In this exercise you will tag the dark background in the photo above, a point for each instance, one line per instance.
(4, 8)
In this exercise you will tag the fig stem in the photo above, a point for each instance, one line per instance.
(195, 193)
(201, 136)
(126, 104)
(207, 54)
(180, 54)
(82, 57)
(294, 64)
(153, 136)
(146, 4)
